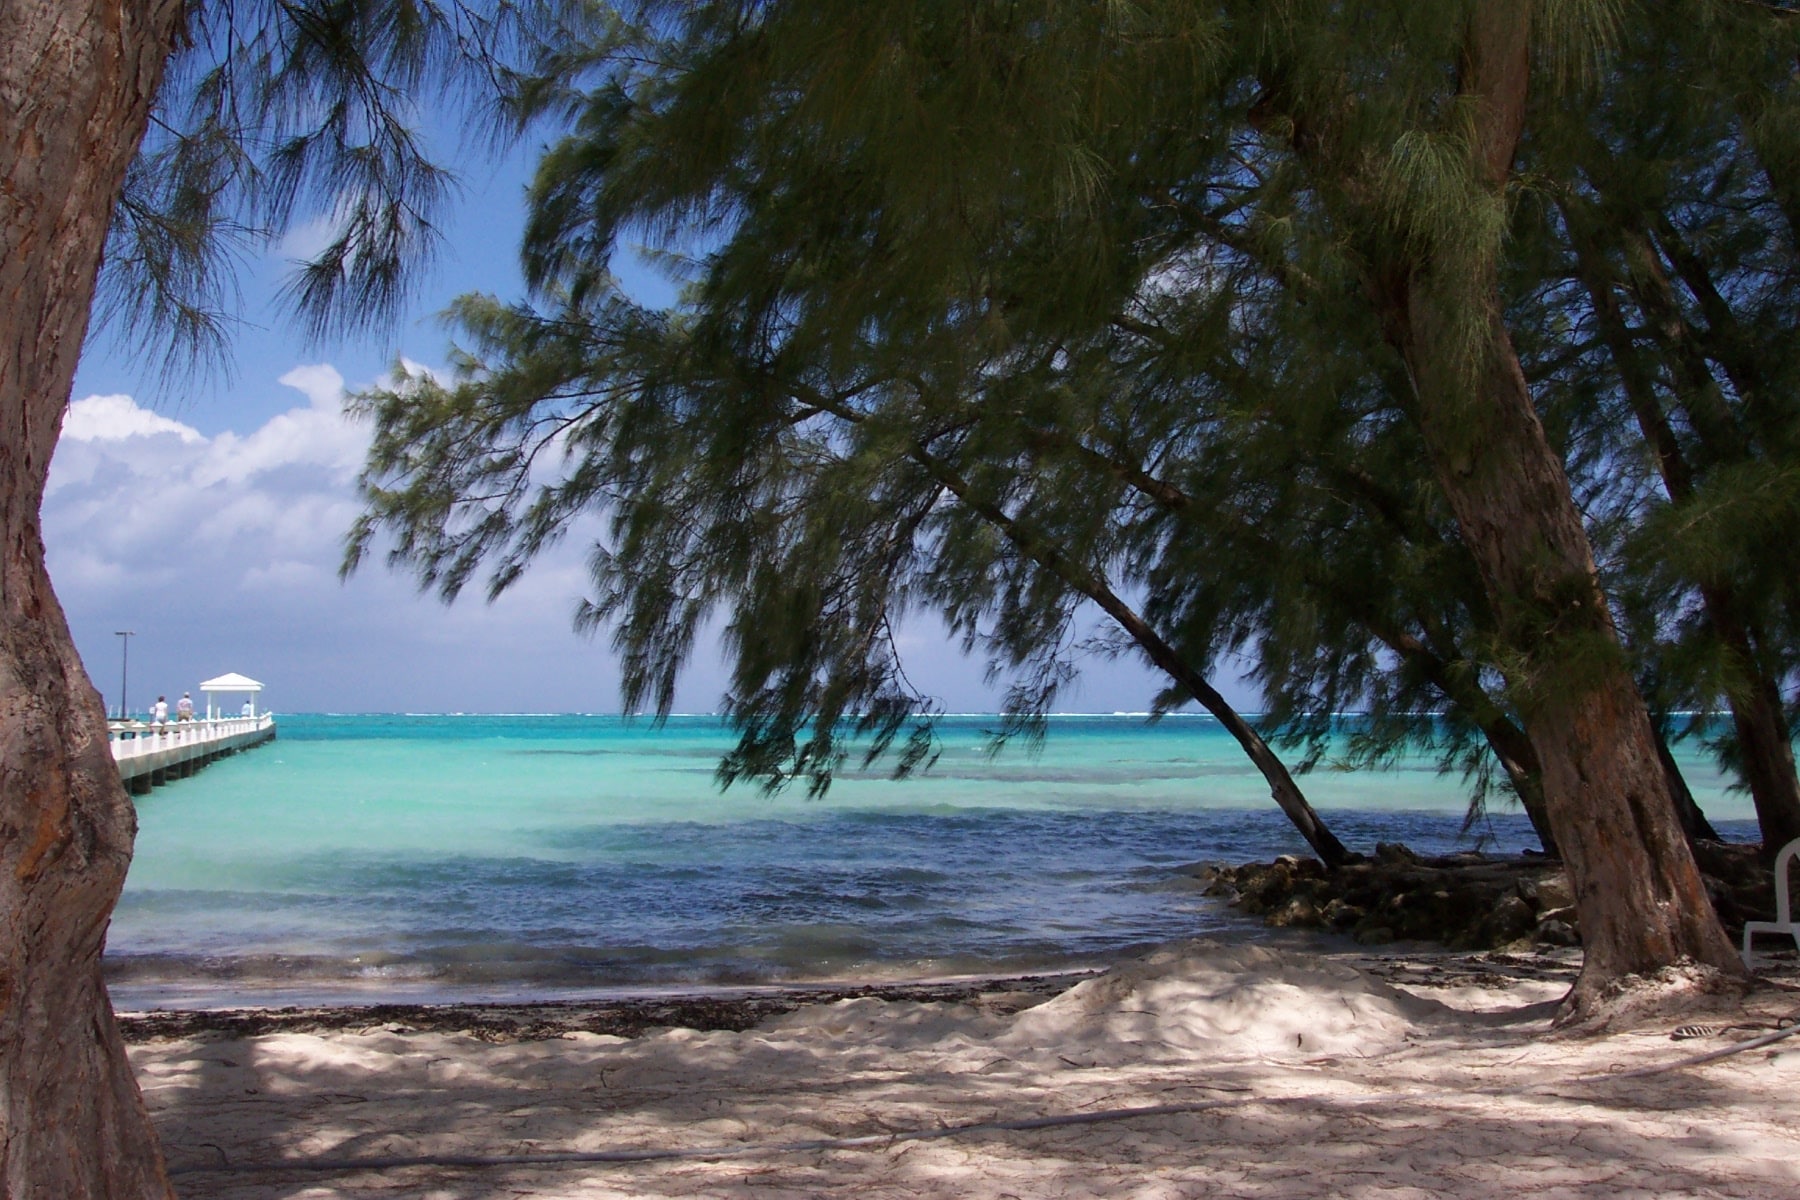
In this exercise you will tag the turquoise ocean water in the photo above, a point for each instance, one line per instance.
(432, 857)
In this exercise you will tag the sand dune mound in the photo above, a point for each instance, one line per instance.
(896, 1025)
(1221, 1001)
(1192, 1000)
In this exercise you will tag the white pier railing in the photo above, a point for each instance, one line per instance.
(147, 752)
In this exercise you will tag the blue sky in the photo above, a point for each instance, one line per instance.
(208, 516)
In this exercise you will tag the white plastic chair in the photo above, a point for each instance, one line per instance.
(1784, 913)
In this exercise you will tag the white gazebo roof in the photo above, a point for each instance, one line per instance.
(231, 681)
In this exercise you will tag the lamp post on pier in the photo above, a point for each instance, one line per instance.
(124, 636)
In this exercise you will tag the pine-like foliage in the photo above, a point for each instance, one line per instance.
(275, 113)
(1658, 274)
(998, 310)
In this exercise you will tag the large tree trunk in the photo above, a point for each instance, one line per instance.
(76, 84)
(1637, 891)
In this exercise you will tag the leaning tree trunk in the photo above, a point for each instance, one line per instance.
(1516, 755)
(1282, 788)
(1638, 893)
(1687, 809)
(76, 84)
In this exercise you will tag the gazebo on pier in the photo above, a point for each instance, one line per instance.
(148, 755)
(231, 683)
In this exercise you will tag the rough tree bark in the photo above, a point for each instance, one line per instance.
(77, 78)
(1638, 893)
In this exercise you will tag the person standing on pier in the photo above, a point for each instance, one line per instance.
(160, 714)
(184, 708)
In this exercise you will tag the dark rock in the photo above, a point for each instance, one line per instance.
(1553, 892)
(1465, 901)
(1510, 920)
(1223, 890)
(1557, 933)
(1298, 912)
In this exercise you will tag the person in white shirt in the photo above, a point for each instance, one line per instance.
(160, 714)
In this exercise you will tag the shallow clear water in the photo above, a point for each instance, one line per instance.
(506, 856)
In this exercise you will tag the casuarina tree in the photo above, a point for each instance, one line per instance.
(263, 111)
(930, 254)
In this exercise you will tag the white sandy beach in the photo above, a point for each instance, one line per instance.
(1294, 1073)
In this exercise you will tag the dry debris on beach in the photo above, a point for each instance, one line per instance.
(1202, 1069)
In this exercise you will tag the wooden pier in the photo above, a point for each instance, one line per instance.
(151, 754)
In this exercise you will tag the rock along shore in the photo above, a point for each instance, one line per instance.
(1468, 901)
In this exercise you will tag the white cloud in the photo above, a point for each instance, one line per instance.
(115, 418)
(308, 239)
(320, 436)
(84, 570)
(222, 554)
(320, 383)
(134, 494)
(284, 575)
